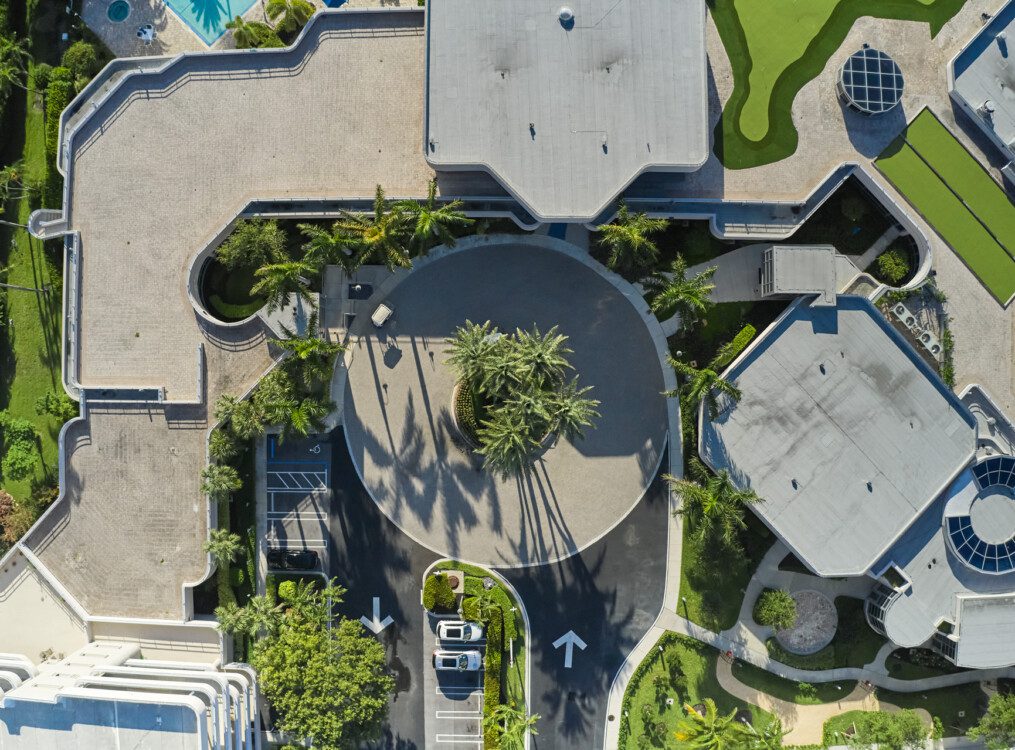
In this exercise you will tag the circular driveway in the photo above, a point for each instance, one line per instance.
(398, 395)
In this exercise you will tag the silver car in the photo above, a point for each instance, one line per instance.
(457, 661)
(459, 631)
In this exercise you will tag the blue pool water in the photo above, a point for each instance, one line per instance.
(208, 18)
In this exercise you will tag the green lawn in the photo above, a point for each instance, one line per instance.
(30, 342)
(645, 700)
(795, 692)
(920, 165)
(775, 47)
(854, 645)
(923, 663)
(946, 704)
(713, 584)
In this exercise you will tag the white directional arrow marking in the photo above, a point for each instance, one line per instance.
(569, 640)
(376, 625)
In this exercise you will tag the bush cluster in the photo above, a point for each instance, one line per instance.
(492, 677)
(19, 441)
(893, 266)
(465, 413)
(437, 593)
(775, 608)
(59, 93)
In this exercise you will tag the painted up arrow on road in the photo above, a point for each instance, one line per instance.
(376, 625)
(569, 640)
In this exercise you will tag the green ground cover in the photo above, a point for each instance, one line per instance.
(803, 693)
(646, 695)
(854, 645)
(712, 585)
(959, 222)
(30, 333)
(918, 663)
(227, 292)
(775, 47)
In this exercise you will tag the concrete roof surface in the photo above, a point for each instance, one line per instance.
(834, 399)
(621, 90)
(805, 269)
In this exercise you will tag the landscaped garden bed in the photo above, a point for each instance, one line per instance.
(918, 663)
(486, 599)
(226, 292)
(854, 645)
(804, 693)
(683, 671)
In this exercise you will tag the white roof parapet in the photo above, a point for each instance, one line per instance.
(566, 113)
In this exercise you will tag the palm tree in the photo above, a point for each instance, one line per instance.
(627, 239)
(572, 412)
(770, 737)
(223, 546)
(275, 396)
(276, 281)
(243, 33)
(433, 223)
(714, 504)
(545, 356)
(671, 291)
(219, 480)
(14, 58)
(469, 349)
(383, 235)
(232, 618)
(308, 415)
(262, 616)
(222, 446)
(506, 441)
(703, 384)
(310, 354)
(294, 13)
(12, 182)
(327, 248)
(514, 724)
(711, 730)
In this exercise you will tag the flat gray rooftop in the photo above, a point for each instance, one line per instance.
(843, 431)
(566, 116)
(983, 72)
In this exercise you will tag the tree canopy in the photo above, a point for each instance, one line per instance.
(997, 726)
(628, 239)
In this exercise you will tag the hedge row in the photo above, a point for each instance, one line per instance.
(58, 95)
(491, 679)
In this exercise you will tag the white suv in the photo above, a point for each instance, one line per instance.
(457, 661)
(459, 631)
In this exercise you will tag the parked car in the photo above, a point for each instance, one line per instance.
(276, 559)
(301, 559)
(457, 661)
(459, 631)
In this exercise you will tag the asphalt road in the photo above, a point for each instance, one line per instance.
(609, 595)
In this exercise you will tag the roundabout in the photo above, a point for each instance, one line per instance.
(398, 403)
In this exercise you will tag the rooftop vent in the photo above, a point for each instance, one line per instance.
(566, 17)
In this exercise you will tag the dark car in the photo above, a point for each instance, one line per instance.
(304, 559)
(276, 559)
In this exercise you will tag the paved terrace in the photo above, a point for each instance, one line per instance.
(164, 163)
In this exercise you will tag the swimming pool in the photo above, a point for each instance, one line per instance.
(208, 18)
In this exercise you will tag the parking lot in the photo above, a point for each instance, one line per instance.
(453, 701)
(299, 495)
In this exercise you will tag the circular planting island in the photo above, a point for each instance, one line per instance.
(816, 622)
(399, 411)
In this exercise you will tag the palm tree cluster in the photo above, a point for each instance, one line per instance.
(521, 391)
(263, 615)
(14, 58)
(707, 729)
(513, 723)
(713, 505)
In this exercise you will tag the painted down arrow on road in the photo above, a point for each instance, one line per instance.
(376, 625)
(569, 640)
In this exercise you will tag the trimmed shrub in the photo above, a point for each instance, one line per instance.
(82, 59)
(776, 608)
(892, 266)
(470, 609)
(264, 36)
(741, 340)
(287, 590)
(492, 679)
(437, 593)
(58, 95)
(42, 74)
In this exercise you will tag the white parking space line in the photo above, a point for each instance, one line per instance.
(460, 739)
(458, 714)
(297, 481)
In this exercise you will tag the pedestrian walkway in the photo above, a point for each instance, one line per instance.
(805, 723)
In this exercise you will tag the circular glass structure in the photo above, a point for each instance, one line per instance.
(982, 530)
(870, 82)
(118, 11)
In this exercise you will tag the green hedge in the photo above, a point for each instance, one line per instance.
(437, 593)
(58, 95)
(491, 680)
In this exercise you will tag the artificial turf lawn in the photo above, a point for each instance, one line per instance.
(775, 47)
(30, 339)
(959, 222)
(697, 663)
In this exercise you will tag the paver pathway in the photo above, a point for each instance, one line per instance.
(804, 722)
